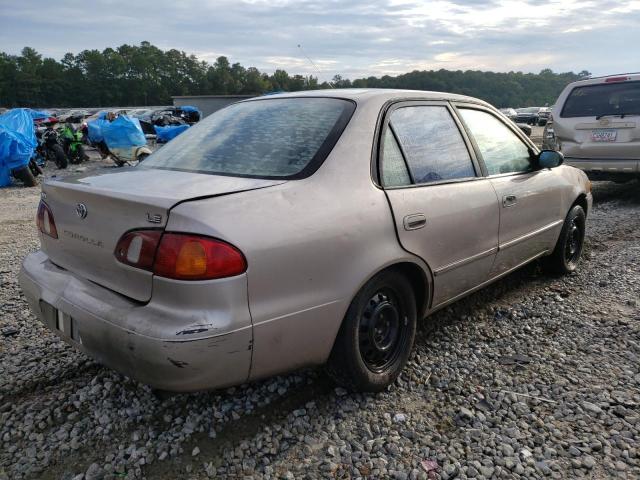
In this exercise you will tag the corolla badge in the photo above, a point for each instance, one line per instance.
(81, 210)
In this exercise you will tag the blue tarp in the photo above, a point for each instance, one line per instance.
(95, 130)
(164, 134)
(17, 140)
(123, 132)
(189, 108)
(38, 114)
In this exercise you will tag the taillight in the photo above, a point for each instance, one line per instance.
(616, 79)
(137, 248)
(193, 257)
(180, 256)
(45, 222)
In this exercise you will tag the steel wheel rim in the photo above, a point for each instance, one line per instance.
(573, 244)
(382, 331)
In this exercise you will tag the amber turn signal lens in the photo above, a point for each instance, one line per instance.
(184, 256)
(192, 260)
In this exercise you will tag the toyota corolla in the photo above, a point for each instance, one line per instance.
(297, 230)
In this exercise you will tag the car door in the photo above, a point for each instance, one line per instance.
(444, 211)
(530, 199)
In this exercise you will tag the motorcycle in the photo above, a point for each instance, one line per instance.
(121, 139)
(72, 140)
(49, 148)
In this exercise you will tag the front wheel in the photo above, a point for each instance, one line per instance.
(567, 252)
(376, 336)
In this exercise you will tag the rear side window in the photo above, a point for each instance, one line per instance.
(432, 144)
(604, 99)
(394, 168)
(270, 138)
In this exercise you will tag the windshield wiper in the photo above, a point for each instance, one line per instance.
(621, 115)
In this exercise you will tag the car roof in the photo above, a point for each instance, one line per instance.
(603, 79)
(361, 95)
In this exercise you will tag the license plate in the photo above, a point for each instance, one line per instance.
(604, 135)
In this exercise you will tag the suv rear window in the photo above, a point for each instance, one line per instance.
(603, 99)
(268, 138)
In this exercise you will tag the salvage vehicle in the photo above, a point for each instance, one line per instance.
(298, 229)
(543, 116)
(596, 124)
(528, 115)
(510, 113)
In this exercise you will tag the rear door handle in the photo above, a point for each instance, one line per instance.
(414, 221)
(509, 200)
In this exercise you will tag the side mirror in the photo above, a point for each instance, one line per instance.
(550, 159)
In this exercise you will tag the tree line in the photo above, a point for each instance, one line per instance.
(132, 75)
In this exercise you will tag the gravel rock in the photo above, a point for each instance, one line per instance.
(532, 377)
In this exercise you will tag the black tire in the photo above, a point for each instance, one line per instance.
(60, 157)
(35, 168)
(566, 254)
(376, 335)
(82, 154)
(25, 176)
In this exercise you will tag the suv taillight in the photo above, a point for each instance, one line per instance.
(45, 222)
(180, 256)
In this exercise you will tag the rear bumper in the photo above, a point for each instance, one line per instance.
(608, 166)
(190, 339)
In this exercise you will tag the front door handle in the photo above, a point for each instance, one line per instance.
(414, 221)
(509, 200)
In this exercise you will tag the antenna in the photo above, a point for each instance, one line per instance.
(312, 63)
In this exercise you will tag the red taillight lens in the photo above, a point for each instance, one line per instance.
(45, 222)
(193, 257)
(616, 79)
(138, 248)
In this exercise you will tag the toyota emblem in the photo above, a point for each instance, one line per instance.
(81, 210)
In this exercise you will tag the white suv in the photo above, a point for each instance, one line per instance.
(596, 125)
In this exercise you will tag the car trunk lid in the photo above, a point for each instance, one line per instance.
(91, 213)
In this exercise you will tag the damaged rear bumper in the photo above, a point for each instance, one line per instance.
(190, 336)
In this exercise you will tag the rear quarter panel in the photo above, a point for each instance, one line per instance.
(310, 245)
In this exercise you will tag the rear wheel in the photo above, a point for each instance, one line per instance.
(25, 176)
(376, 336)
(60, 157)
(35, 168)
(567, 252)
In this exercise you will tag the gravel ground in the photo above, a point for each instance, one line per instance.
(532, 377)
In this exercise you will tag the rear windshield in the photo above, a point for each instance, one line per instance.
(604, 99)
(269, 138)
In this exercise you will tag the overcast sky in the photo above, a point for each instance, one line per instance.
(352, 38)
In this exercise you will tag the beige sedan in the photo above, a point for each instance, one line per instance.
(295, 230)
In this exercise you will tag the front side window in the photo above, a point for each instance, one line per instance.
(432, 144)
(270, 138)
(501, 149)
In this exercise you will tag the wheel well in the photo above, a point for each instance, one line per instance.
(582, 201)
(418, 279)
